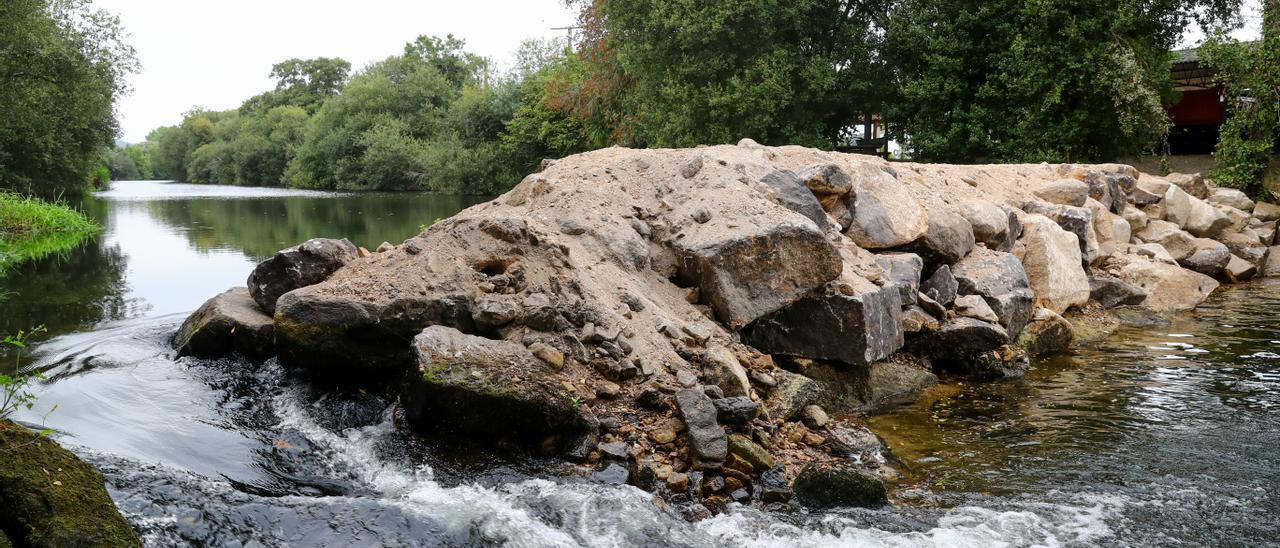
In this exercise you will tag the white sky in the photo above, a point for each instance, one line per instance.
(217, 54)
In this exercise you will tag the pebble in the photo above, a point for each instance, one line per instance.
(663, 436)
(815, 417)
(678, 482)
(546, 353)
(616, 450)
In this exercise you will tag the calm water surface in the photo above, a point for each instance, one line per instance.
(1166, 434)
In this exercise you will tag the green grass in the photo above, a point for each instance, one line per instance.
(31, 229)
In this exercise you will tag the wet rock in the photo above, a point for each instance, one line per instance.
(959, 339)
(746, 274)
(1069, 192)
(751, 452)
(903, 271)
(897, 380)
(1209, 258)
(1179, 244)
(302, 265)
(1112, 292)
(1048, 333)
(1168, 287)
(990, 223)
(678, 482)
(949, 237)
(1231, 197)
(51, 498)
(1001, 280)
(792, 393)
(490, 391)
(973, 306)
(614, 474)
(885, 214)
(737, 410)
(615, 450)
(1191, 183)
(854, 329)
(828, 486)
(706, 437)
(1239, 270)
(791, 193)
(941, 286)
(229, 322)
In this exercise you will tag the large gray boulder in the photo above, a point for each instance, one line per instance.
(1001, 280)
(942, 286)
(1210, 258)
(1053, 265)
(990, 223)
(1112, 292)
(903, 271)
(884, 213)
(1068, 192)
(308, 263)
(1046, 334)
(854, 329)
(1231, 197)
(791, 193)
(706, 436)
(948, 239)
(227, 323)
(1174, 240)
(1239, 270)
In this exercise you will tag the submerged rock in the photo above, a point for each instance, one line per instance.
(229, 322)
(50, 498)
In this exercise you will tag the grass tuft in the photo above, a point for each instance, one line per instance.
(31, 229)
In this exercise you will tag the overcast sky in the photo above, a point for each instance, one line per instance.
(217, 54)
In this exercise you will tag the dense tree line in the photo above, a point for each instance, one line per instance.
(957, 80)
(62, 66)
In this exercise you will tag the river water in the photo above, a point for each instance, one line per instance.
(1167, 433)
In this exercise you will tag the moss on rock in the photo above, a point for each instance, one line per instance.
(52, 498)
(820, 486)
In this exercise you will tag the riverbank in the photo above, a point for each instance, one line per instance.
(31, 228)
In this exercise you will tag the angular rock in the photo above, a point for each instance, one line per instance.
(897, 381)
(736, 410)
(791, 395)
(960, 338)
(1238, 220)
(742, 447)
(1155, 252)
(746, 274)
(827, 179)
(1047, 334)
(1239, 270)
(829, 486)
(721, 368)
(1209, 259)
(1121, 228)
(948, 239)
(1246, 247)
(1053, 265)
(903, 271)
(1231, 197)
(706, 436)
(302, 265)
(1178, 243)
(1266, 232)
(229, 322)
(916, 320)
(857, 329)
(792, 194)
(1149, 192)
(973, 306)
(1191, 183)
(1113, 292)
(1136, 218)
(1075, 220)
(1207, 221)
(1271, 267)
(491, 391)
(1069, 192)
(990, 223)
(1169, 287)
(1264, 211)
(1001, 280)
(885, 214)
(1177, 206)
(941, 286)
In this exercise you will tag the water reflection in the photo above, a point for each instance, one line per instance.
(167, 247)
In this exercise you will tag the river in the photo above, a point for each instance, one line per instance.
(1165, 434)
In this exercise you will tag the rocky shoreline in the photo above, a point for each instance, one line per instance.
(690, 321)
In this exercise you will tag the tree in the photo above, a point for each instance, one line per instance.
(1033, 80)
(62, 64)
(305, 83)
(1250, 76)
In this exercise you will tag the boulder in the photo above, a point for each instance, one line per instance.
(1264, 211)
(1239, 270)
(1266, 232)
(1169, 288)
(1103, 227)
(229, 322)
(1001, 280)
(1237, 219)
(790, 192)
(1177, 206)
(1112, 292)
(1121, 228)
(791, 395)
(1191, 183)
(1076, 220)
(492, 391)
(1068, 192)
(829, 486)
(1209, 259)
(302, 265)
(1149, 192)
(885, 214)
(854, 329)
(51, 498)
(1231, 197)
(1136, 218)
(1053, 265)
(1174, 240)
(990, 223)
(826, 179)
(1046, 334)
(721, 368)
(903, 271)
(959, 339)
(1205, 220)
(1246, 247)
(942, 286)
(973, 306)
(897, 380)
(746, 274)
(1155, 252)
(1271, 267)
(949, 238)
(706, 436)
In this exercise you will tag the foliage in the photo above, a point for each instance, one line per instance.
(14, 390)
(63, 65)
(31, 228)
(130, 163)
(1250, 76)
(1029, 80)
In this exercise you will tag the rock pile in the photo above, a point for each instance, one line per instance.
(679, 319)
